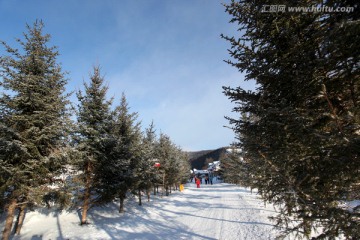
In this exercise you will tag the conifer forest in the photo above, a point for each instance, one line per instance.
(103, 153)
(297, 133)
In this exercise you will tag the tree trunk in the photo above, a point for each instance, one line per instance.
(163, 185)
(84, 211)
(9, 220)
(20, 219)
(87, 196)
(154, 190)
(148, 194)
(140, 197)
(121, 208)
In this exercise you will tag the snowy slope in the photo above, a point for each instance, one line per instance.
(219, 211)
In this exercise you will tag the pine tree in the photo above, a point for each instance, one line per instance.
(163, 155)
(302, 146)
(122, 173)
(147, 169)
(174, 167)
(182, 173)
(33, 122)
(93, 139)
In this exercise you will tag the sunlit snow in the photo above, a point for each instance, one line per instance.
(218, 211)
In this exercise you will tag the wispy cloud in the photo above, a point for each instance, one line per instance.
(166, 56)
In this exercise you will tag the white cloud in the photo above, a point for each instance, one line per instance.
(166, 56)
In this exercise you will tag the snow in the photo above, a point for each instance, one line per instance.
(353, 204)
(350, 205)
(219, 211)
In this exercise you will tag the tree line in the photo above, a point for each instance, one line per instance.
(47, 159)
(299, 130)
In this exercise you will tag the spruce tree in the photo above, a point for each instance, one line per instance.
(92, 140)
(182, 172)
(146, 166)
(122, 172)
(302, 146)
(33, 122)
(163, 154)
(174, 167)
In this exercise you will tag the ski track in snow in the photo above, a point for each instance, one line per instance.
(220, 211)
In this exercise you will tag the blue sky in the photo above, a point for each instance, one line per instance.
(165, 55)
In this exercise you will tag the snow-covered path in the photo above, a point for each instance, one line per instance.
(228, 212)
(219, 211)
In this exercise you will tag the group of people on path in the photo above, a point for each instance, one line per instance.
(198, 180)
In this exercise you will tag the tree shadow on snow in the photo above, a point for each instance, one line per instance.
(147, 223)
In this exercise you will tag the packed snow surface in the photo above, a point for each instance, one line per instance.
(219, 211)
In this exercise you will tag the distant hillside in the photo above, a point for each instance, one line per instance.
(193, 155)
(198, 159)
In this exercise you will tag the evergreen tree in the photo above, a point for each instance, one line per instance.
(303, 147)
(183, 167)
(174, 167)
(163, 155)
(122, 172)
(33, 122)
(147, 169)
(93, 140)
(235, 170)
